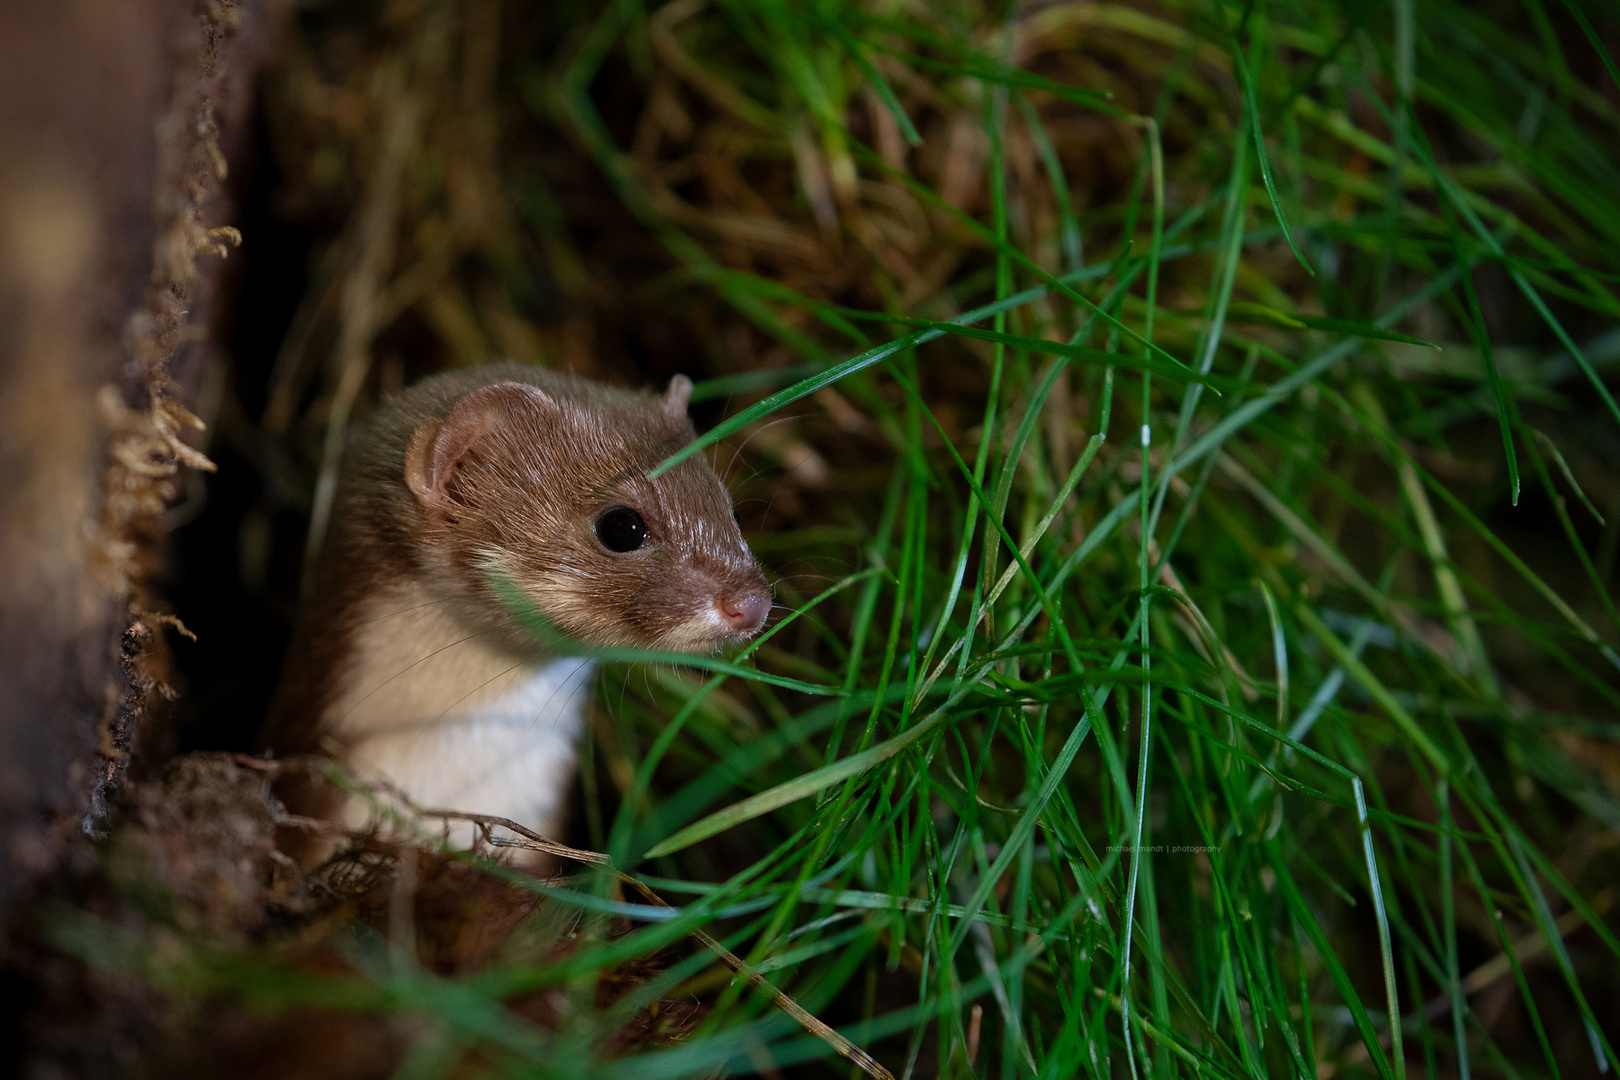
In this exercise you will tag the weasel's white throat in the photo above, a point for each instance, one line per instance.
(454, 719)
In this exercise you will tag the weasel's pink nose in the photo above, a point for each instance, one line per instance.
(745, 613)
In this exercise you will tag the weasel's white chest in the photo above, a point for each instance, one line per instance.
(458, 725)
(512, 757)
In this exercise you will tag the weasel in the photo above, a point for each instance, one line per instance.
(406, 667)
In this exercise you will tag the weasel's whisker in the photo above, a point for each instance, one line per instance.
(428, 727)
(524, 662)
(806, 576)
(579, 688)
(770, 505)
(738, 452)
(402, 611)
(573, 677)
(408, 667)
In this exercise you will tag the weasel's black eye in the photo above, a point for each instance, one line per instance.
(621, 529)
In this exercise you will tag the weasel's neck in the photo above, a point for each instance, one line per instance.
(452, 714)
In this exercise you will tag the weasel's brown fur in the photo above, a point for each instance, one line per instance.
(502, 472)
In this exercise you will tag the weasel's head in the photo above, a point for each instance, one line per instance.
(554, 495)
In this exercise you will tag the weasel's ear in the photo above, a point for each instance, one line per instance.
(440, 447)
(676, 397)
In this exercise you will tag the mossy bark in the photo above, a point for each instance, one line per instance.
(111, 203)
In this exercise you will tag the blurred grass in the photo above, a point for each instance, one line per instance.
(1213, 670)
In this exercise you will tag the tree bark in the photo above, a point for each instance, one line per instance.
(111, 195)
